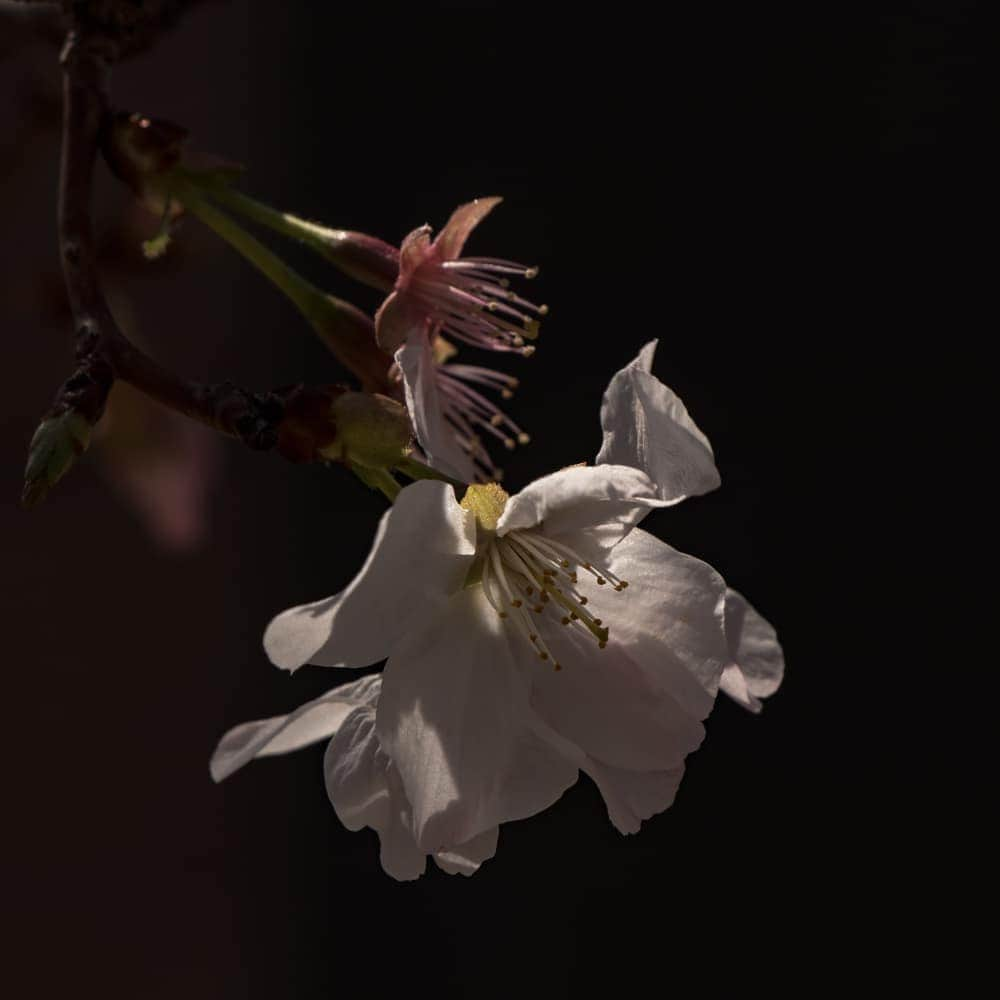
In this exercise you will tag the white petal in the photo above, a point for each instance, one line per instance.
(646, 425)
(753, 644)
(604, 501)
(671, 618)
(434, 434)
(466, 858)
(609, 707)
(314, 721)
(421, 555)
(365, 790)
(734, 684)
(634, 796)
(356, 771)
(454, 718)
(398, 852)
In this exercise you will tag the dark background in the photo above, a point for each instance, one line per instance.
(781, 198)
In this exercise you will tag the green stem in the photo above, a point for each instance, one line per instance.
(363, 257)
(417, 470)
(310, 233)
(378, 479)
(346, 330)
(306, 296)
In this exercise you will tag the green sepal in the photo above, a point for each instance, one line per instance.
(56, 444)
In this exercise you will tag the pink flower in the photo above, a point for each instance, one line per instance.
(467, 300)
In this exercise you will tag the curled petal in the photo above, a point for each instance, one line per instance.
(454, 718)
(434, 434)
(603, 501)
(316, 720)
(759, 663)
(646, 426)
(456, 230)
(421, 555)
(415, 249)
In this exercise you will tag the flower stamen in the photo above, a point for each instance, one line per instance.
(469, 299)
(527, 561)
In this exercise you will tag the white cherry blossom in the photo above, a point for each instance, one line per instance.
(527, 638)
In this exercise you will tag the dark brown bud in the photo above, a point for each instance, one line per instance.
(138, 148)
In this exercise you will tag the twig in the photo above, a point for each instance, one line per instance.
(103, 352)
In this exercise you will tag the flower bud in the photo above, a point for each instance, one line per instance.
(372, 431)
(142, 152)
(307, 425)
(365, 258)
(56, 444)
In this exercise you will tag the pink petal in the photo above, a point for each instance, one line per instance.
(397, 319)
(464, 219)
(415, 250)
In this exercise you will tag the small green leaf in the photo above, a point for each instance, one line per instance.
(156, 246)
(56, 444)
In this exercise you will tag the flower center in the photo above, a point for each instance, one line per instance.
(470, 299)
(487, 502)
(524, 573)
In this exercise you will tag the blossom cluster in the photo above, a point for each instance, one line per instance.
(529, 637)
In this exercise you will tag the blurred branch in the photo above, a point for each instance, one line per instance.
(103, 352)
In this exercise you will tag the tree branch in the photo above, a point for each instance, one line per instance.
(103, 352)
